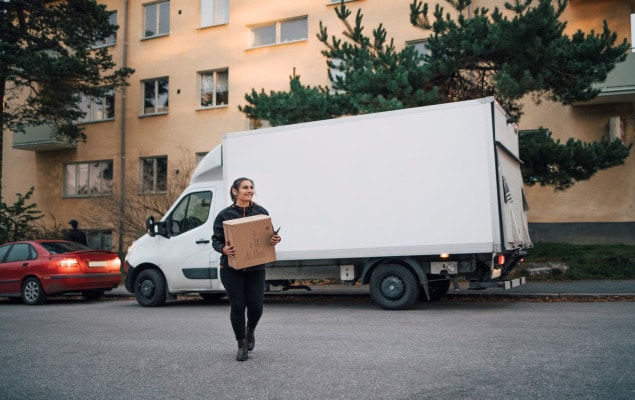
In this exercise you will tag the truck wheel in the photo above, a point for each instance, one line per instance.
(394, 287)
(32, 292)
(149, 288)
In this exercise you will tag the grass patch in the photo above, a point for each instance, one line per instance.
(584, 261)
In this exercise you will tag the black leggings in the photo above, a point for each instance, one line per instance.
(246, 290)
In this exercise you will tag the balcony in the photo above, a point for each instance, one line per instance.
(619, 86)
(40, 138)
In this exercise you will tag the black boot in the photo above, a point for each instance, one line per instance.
(251, 339)
(243, 353)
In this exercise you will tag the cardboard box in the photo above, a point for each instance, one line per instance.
(251, 237)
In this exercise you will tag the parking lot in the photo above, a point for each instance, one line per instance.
(318, 348)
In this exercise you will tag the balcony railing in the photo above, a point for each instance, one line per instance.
(40, 138)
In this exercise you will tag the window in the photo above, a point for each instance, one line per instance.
(88, 179)
(214, 12)
(98, 108)
(154, 175)
(191, 212)
(421, 47)
(214, 88)
(336, 73)
(99, 239)
(291, 30)
(112, 39)
(155, 96)
(157, 19)
(21, 252)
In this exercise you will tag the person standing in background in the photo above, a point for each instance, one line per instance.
(74, 234)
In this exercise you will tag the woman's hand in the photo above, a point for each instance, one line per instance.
(275, 239)
(229, 250)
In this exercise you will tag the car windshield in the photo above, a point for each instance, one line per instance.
(63, 247)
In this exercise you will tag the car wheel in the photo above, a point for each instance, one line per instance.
(32, 292)
(394, 287)
(149, 288)
(93, 294)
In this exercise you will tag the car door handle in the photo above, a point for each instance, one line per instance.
(202, 241)
(26, 264)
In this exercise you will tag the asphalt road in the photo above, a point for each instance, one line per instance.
(319, 348)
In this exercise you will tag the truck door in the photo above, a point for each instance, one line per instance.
(512, 201)
(187, 257)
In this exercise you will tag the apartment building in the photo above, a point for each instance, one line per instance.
(196, 59)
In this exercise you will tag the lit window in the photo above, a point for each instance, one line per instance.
(214, 88)
(112, 39)
(88, 179)
(154, 175)
(292, 30)
(157, 19)
(155, 96)
(214, 12)
(98, 108)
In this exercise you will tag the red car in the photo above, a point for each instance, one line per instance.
(34, 269)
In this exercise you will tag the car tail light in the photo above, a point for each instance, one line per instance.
(69, 262)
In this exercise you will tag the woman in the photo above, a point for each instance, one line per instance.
(246, 287)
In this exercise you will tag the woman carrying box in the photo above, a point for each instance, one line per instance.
(245, 287)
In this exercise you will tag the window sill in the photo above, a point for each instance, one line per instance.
(95, 121)
(152, 114)
(203, 108)
(277, 44)
(154, 37)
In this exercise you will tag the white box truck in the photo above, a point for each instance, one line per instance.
(406, 201)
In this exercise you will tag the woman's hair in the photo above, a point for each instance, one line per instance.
(236, 185)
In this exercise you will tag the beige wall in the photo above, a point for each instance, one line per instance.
(186, 130)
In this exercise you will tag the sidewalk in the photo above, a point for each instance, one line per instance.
(568, 289)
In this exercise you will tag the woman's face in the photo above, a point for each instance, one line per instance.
(245, 192)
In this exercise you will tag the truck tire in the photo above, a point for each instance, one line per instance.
(394, 287)
(149, 288)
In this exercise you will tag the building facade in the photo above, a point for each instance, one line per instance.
(194, 62)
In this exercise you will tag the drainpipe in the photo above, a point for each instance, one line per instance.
(122, 166)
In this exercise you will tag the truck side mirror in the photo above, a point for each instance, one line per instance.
(150, 226)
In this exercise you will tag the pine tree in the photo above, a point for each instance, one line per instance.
(50, 59)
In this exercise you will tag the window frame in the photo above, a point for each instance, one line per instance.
(214, 6)
(158, 20)
(156, 179)
(88, 105)
(110, 40)
(157, 108)
(214, 103)
(278, 28)
(86, 190)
